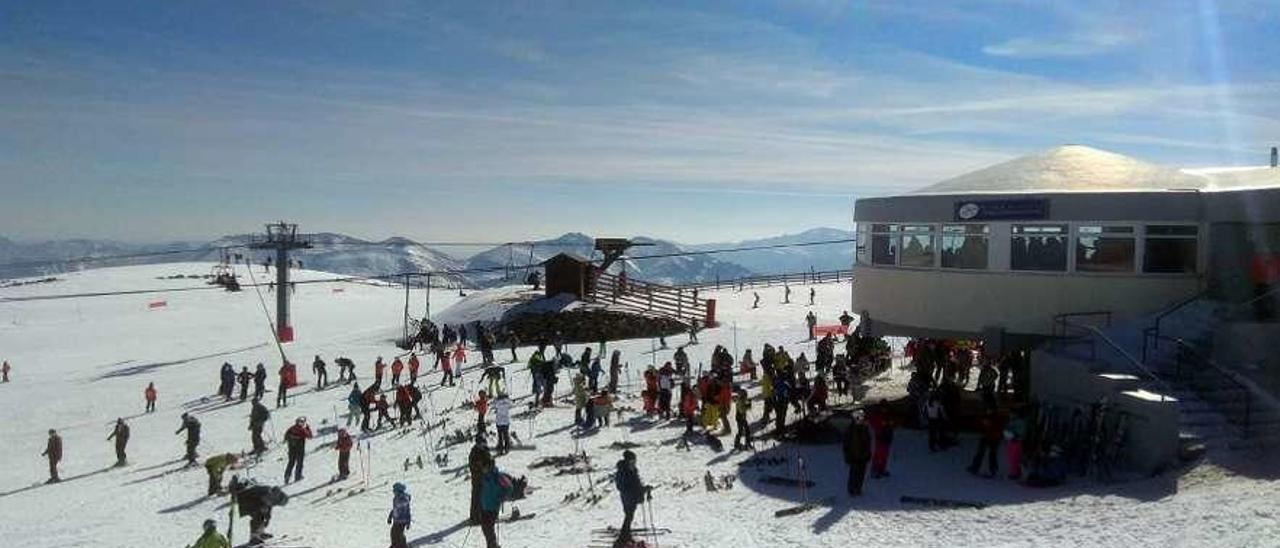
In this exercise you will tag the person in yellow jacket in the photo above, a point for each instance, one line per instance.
(211, 538)
(215, 466)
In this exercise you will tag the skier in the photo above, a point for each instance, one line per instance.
(228, 377)
(53, 450)
(258, 418)
(811, 320)
(282, 394)
(615, 369)
(382, 406)
(215, 466)
(812, 295)
(482, 407)
(378, 367)
(781, 397)
(150, 395)
(192, 427)
(459, 355)
(244, 377)
(121, 434)
(666, 381)
(593, 375)
(256, 501)
(688, 405)
(397, 367)
(756, 302)
(741, 410)
(343, 447)
(502, 419)
(786, 295)
(415, 397)
(494, 489)
(579, 398)
(478, 461)
(632, 492)
(259, 381)
(211, 538)
(4, 371)
(322, 375)
(296, 437)
(399, 517)
(857, 451)
(442, 358)
(414, 366)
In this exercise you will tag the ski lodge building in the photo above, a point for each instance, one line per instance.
(1074, 242)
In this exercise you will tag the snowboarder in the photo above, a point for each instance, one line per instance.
(121, 434)
(53, 450)
(259, 381)
(256, 501)
(150, 395)
(397, 367)
(322, 375)
(494, 489)
(296, 437)
(399, 517)
(478, 462)
(631, 490)
(258, 418)
(211, 538)
(857, 451)
(502, 419)
(192, 427)
(4, 371)
(343, 447)
(215, 466)
(244, 376)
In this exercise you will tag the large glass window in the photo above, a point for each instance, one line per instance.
(1105, 249)
(916, 248)
(965, 246)
(1039, 247)
(884, 244)
(1170, 249)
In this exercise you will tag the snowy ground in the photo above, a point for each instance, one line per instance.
(80, 363)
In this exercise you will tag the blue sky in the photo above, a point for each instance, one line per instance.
(698, 121)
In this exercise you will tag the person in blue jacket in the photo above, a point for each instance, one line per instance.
(631, 490)
(494, 489)
(400, 517)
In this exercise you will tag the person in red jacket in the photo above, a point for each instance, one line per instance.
(296, 437)
(482, 407)
(882, 426)
(650, 393)
(818, 398)
(724, 399)
(990, 432)
(688, 405)
(414, 365)
(378, 368)
(404, 405)
(382, 407)
(397, 367)
(150, 395)
(343, 446)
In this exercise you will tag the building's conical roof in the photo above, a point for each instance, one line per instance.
(1068, 168)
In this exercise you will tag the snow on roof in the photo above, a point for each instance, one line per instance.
(1077, 168)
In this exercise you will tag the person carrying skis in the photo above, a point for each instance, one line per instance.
(296, 437)
(400, 516)
(258, 417)
(243, 377)
(631, 490)
(414, 366)
(397, 367)
(150, 395)
(343, 447)
(192, 427)
(215, 466)
(321, 370)
(211, 538)
(259, 381)
(121, 434)
(53, 451)
(857, 451)
(493, 491)
(256, 501)
(502, 419)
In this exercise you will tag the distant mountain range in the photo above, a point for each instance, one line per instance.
(346, 255)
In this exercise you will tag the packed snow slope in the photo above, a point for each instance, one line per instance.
(80, 363)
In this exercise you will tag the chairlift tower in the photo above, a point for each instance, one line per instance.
(282, 237)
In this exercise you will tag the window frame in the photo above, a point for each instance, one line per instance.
(964, 235)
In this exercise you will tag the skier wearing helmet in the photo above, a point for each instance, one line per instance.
(399, 517)
(211, 538)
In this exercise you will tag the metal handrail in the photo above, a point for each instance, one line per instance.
(1191, 350)
(1099, 335)
(1061, 319)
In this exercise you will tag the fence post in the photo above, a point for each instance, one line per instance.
(679, 301)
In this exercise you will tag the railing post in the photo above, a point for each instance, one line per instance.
(679, 301)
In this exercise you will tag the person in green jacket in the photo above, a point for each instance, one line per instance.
(215, 466)
(211, 538)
